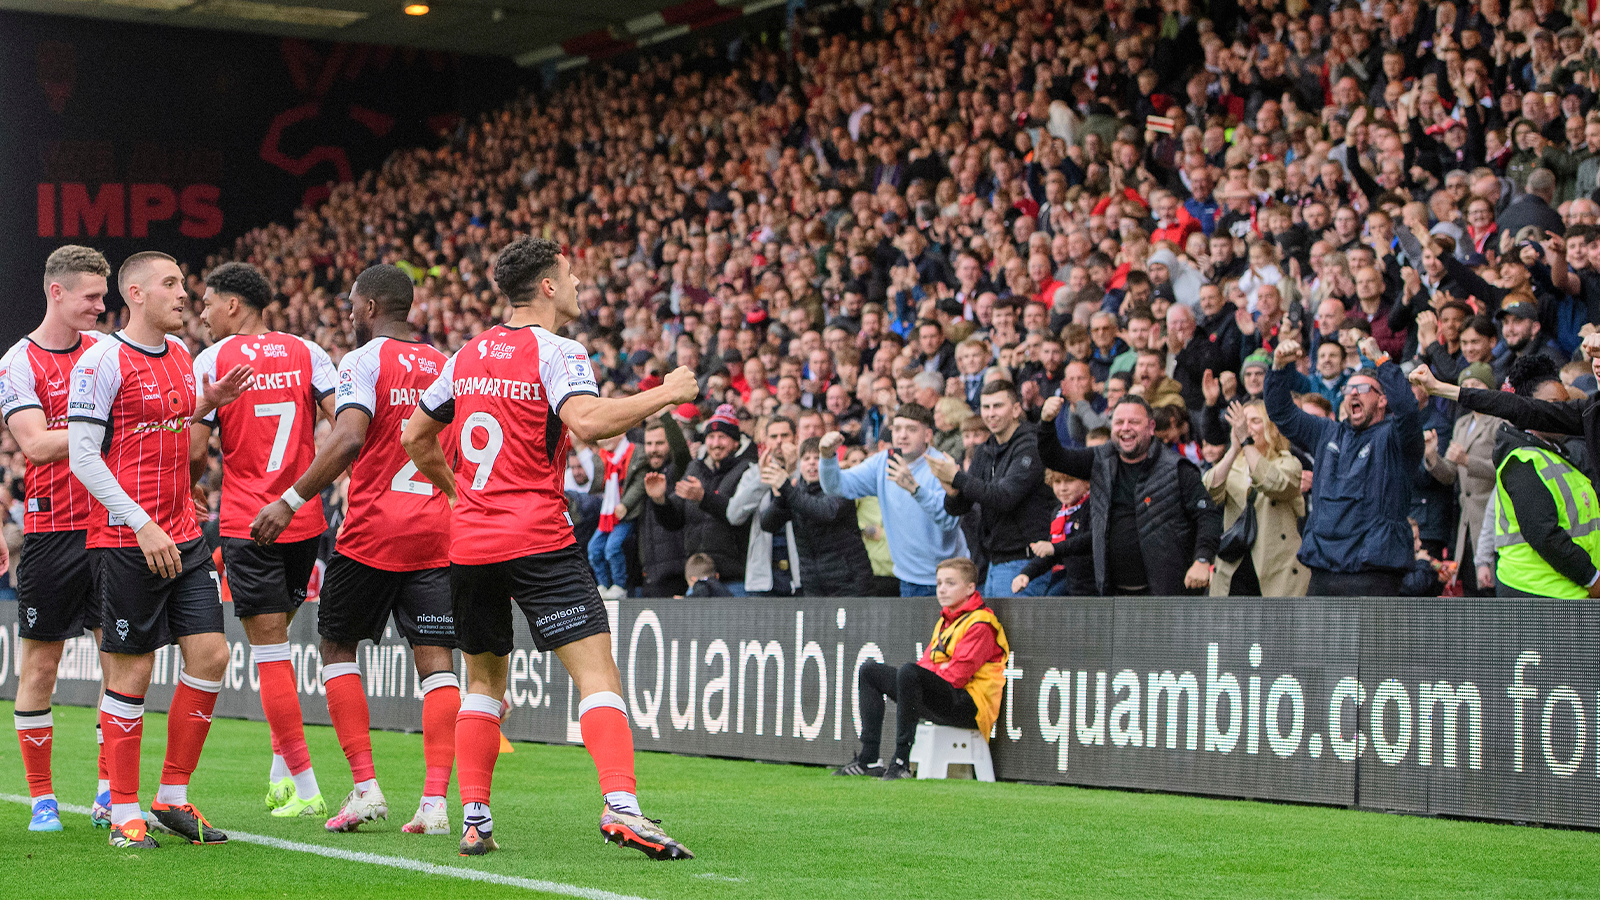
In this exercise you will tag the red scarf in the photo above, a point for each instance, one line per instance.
(616, 469)
(1061, 525)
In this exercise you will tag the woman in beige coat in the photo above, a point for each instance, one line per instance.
(1258, 456)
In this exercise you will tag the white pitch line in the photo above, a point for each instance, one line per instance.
(393, 862)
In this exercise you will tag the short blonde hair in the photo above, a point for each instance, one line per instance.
(964, 568)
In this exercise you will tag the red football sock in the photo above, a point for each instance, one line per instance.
(441, 703)
(608, 739)
(100, 740)
(35, 734)
(477, 746)
(122, 723)
(347, 707)
(281, 702)
(188, 723)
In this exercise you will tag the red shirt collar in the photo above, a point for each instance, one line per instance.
(950, 614)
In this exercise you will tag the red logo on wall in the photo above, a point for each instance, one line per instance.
(75, 209)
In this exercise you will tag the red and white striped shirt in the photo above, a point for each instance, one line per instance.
(144, 400)
(34, 377)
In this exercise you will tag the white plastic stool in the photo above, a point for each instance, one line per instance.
(938, 747)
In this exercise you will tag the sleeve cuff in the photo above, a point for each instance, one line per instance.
(445, 413)
(363, 408)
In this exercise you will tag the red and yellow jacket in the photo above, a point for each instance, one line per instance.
(969, 650)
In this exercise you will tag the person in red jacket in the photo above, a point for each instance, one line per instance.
(957, 682)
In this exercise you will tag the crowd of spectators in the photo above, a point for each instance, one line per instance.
(1066, 288)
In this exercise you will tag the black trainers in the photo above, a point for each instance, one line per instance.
(186, 822)
(897, 770)
(858, 767)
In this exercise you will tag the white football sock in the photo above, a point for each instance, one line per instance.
(623, 801)
(363, 787)
(173, 794)
(476, 814)
(305, 784)
(280, 769)
(123, 813)
(102, 786)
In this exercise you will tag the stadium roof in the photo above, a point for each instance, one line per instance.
(534, 32)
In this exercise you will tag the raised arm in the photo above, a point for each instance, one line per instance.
(1077, 463)
(676, 443)
(591, 418)
(1304, 430)
(860, 481)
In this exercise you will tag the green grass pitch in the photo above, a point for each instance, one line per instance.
(771, 831)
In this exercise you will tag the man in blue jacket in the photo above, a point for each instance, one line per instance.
(1357, 541)
(920, 531)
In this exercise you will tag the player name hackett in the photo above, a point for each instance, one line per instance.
(276, 381)
(497, 387)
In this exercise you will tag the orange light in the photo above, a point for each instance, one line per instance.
(416, 9)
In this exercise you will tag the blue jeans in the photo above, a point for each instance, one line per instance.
(912, 589)
(1001, 574)
(1046, 585)
(606, 557)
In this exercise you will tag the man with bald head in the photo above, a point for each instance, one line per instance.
(1533, 206)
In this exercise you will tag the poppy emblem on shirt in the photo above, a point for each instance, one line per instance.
(174, 400)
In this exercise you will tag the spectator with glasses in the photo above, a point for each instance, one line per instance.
(1357, 538)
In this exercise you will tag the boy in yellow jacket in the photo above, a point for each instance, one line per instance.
(957, 682)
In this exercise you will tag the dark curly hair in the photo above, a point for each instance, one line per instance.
(243, 281)
(521, 264)
(1528, 372)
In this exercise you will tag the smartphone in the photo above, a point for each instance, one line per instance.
(894, 453)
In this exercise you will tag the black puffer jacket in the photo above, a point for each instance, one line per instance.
(833, 560)
(705, 524)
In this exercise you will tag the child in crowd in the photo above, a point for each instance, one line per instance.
(700, 571)
(1061, 566)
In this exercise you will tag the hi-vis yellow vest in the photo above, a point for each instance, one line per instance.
(1577, 510)
(989, 682)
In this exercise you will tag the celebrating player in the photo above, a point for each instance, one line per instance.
(55, 591)
(127, 436)
(515, 390)
(268, 438)
(371, 575)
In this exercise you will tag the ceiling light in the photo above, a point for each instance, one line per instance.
(416, 9)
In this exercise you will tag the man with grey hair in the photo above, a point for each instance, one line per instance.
(1533, 206)
(1582, 211)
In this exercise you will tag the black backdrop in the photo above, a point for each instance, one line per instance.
(1485, 709)
(131, 137)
